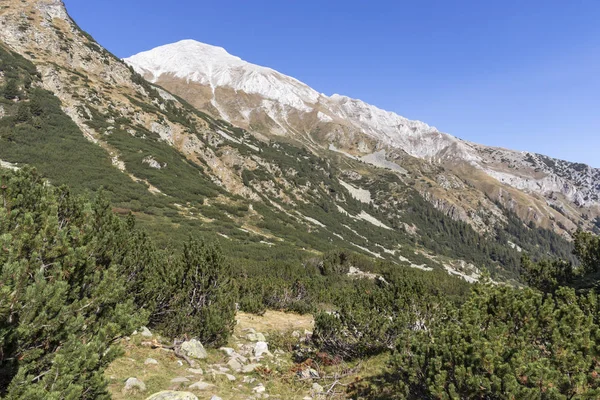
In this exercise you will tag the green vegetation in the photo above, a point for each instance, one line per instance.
(540, 342)
(75, 278)
(505, 343)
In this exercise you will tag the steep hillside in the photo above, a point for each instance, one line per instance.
(554, 193)
(86, 119)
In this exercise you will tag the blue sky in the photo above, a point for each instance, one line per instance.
(517, 74)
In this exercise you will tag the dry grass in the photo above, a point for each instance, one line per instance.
(280, 380)
(274, 321)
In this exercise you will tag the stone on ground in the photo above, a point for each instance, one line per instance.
(150, 361)
(227, 350)
(234, 364)
(261, 348)
(317, 388)
(256, 337)
(260, 388)
(145, 332)
(134, 384)
(194, 349)
(172, 395)
(196, 371)
(249, 368)
(201, 386)
(180, 379)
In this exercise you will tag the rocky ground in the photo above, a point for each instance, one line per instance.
(257, 363)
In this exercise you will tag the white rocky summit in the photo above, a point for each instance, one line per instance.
(246, 94)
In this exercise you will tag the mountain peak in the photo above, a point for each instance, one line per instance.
(214, 66)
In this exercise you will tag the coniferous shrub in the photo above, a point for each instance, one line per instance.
(505, 343)
(201, 295)
(63, 302)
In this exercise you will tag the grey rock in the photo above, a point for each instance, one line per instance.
(248, 379)
(228, 351)
(134, 384)
(197, 371)
(145, 332)
(172, 395)
(214, 397)
(250, 368)
(201, 386)
(150, 361)
(194, 349)
(317, 388)
(261, 348)
(240, 358)
(230, 377)
(180, 379)
(234, 364)
(256, 337)
(260, 388)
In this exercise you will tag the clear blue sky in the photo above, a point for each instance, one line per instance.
(521, 74)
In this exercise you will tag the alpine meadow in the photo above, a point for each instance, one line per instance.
(182, 224)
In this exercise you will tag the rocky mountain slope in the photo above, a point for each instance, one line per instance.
(268, 102)
(277, 169)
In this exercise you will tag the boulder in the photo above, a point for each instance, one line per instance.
(194, 349)
(234, 364)
(214, 397)
(230, 377)
(227, 350)
(172, 395)
(240, 358)
(261, 348)
(145, 332)
(256, 337)
(150, 361)
(134, 384)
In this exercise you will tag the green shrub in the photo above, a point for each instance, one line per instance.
(505, 343)
(63, 300)
(198, 295)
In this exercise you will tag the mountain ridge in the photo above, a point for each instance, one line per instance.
(353, 126)
(309, 187)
